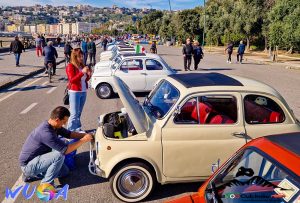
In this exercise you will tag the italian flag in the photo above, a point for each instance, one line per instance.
(139, 49)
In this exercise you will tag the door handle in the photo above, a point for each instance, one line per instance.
(143, 73)
(239, 134)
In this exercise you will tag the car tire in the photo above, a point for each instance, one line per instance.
(104, 91)
(133, 182)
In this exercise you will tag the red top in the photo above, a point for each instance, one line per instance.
(74, 77)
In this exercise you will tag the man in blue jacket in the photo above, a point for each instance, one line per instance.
(84, 48)
(50, 54)
(240, 52)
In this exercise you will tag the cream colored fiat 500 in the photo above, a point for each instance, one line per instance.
(185, 125)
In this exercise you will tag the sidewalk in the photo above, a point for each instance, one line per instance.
(30, 65)
(261, 58)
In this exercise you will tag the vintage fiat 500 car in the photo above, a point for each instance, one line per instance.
(186, 123)
(139, 71)
(266, 169)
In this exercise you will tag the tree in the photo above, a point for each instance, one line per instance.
(151, 23)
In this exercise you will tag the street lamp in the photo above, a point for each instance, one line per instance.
(203, 37)
(170, 6)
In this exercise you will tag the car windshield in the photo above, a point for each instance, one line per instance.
(250, 177)
(116, 63)
(161, 99)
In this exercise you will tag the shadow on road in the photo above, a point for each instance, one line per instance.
(214, 69)
(34, 87)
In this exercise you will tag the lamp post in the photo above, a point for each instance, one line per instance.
(203, 36)
(170, 6)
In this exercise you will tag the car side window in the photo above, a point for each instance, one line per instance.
(132, 65)
(186, 115)
(216, 110)
(262, 110)
(153, 65)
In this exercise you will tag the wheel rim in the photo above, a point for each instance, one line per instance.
(133, 183)
(104, 91)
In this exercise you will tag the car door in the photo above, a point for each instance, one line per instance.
(132, 72)
(154, 71)
(266, 115)
(208, 128)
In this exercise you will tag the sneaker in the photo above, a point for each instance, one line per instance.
(229, 61)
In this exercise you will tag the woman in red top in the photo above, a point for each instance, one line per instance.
(78, 76)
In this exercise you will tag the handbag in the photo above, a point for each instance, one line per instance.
(66, 97)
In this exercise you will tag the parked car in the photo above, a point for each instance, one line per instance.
(186, 123)
(116, 49)
(266, 169)
(140, 72)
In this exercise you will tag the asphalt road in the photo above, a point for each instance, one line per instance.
(17, 121)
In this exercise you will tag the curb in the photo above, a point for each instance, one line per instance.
(21, 79)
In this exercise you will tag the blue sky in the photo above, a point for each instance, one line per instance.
(157, 4)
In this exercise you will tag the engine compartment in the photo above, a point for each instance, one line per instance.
(118, 125)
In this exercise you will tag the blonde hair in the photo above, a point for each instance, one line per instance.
(74, 60)
(196, 43)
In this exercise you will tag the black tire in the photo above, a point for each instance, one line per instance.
(104, 91)
(133, 182)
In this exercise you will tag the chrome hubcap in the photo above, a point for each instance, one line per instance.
(133, 183)
(104, 91)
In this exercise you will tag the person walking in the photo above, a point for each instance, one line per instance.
(187, 52)
(58, 40)
(43, 41)
(51, 55)
(38, 45)
(17, 47)
(240, 52)
(153, 48)
(84, 48)
(78, 76)
(43, 153)
(198, 54)
(67, 51)
(229, 50)
(91, 48)
(104, 43)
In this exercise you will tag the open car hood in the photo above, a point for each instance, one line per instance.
(132, 105)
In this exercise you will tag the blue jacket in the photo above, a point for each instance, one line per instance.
(50, 53)
(241, 49)
(84, 47)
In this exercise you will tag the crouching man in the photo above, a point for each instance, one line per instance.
(43, 153)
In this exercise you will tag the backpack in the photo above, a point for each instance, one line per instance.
(15, 47)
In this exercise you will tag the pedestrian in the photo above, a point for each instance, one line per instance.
(85, 50)
(91, 48)
(51, 55)
(187, 52)
(198, 54)
(240, 52)
(58, 40)
(78, 75)
(67, 51)
(229, 50)
(153, 48)
(38, 45)
(17, 47)
(43, 153)
(43, 41)
(104, 43)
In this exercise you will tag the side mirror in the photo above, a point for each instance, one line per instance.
(177, 111)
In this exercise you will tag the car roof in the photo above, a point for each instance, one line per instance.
(132, 54)
(290, 141)
(205, 79)
(192, 83)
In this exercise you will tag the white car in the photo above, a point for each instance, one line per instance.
(139, 71)
(109, 55)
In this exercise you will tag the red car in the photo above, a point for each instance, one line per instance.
(266, 169)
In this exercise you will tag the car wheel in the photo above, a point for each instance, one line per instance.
(133, 182)
(104, 91)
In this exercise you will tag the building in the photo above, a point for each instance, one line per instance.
(54, 29)
(83, 27)
(41, 28)
(12, 28)
(66, 28)
(33, 28)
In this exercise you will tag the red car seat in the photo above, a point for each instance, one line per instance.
(204, 109)
(221, 119)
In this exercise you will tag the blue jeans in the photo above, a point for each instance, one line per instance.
(17, 57)
(50, 166)
(77, 101)
(85, 56)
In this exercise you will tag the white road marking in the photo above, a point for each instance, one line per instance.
(17, 91)
(17, 184)
(45, 83)
(28, 108)
(51, 90)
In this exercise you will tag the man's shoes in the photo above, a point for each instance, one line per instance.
(30, 179)
(17, 65)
